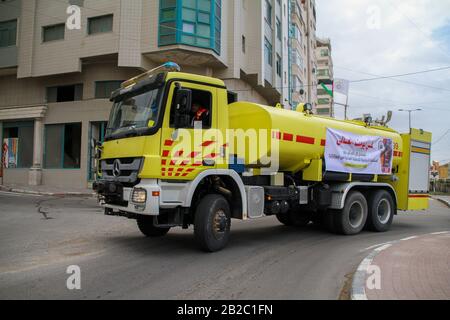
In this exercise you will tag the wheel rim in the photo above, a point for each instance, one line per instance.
(383, 211)
(356, 215)
(220, 222)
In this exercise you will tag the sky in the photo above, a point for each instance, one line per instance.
(392, 37)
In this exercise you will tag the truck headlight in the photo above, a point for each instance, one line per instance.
(139, 195)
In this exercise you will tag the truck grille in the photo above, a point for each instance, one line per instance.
(124, 170)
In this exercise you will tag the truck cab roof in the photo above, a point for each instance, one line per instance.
(195, 78)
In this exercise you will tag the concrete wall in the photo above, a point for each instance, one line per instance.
(245, 91)
(17, 92)
(10, 11)
(15, 176)
(37, 58)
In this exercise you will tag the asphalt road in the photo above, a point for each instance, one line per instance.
(41, 236)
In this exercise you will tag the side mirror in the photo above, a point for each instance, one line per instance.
(183, 103)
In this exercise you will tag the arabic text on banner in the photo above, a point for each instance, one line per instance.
(350, 153)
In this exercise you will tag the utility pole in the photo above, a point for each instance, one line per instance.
(345, 108)
(308, 53)
(410, 111)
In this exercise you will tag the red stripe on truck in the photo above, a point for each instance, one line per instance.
(288, 137)
(168, 143)
(307, 140)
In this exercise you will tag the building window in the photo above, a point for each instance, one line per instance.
(100, 24)
(17, 144)
(297, 84)
(103, 89)
(279, 65)
(269, 13)
(65, 93)
(323, 73)
(323, 111)
(52, 33)
(8, 33)
(278, 29)
(321, 92)
(324, 52)
(297, 59)
(268, 52)
(62, 146)
(324, 101)
(192, 22)
(296, 33)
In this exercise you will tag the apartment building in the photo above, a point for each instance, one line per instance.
(324, 77)
(302, 46)
(55, 82)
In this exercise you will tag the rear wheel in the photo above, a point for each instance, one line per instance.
(381, 211)
(300, 218)
(285, 219)
(352, 218)
(212, 223)
(145, 225)
(328, 218)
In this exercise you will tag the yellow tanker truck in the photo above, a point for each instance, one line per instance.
(180, 151)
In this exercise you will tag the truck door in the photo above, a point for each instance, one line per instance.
(185, 152)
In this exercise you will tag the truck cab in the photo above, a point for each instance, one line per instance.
(142, 174)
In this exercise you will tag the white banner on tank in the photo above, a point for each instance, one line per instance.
(350, 153)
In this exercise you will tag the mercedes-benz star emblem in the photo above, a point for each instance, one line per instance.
(116, 168)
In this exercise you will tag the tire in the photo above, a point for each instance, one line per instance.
(285, 219)
(353, 217)
(328, 220)
(381, 211)
(212, 223)
(300, 218)
(145, 225)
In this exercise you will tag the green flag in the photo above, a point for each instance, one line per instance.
(328, 90)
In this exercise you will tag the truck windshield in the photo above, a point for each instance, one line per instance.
(136, 112)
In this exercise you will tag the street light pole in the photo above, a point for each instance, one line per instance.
(410, 111)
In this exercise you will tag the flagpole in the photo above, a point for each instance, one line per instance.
(345, 108)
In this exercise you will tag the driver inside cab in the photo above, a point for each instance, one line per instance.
(199, 114)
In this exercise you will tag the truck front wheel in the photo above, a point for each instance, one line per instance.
(212, 223)
(145, 225)
(381, 211)
(352, 218)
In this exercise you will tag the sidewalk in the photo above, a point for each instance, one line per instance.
(47, 191)
(444, 199)
(415, 268)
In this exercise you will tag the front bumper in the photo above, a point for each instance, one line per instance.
(113, 195)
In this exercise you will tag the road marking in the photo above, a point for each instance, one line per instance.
(442, 232)
(409, 238)
(386, 246)
(374, 246)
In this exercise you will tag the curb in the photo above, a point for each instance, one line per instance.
(51, 194)
(442, 201)
(358, 289)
